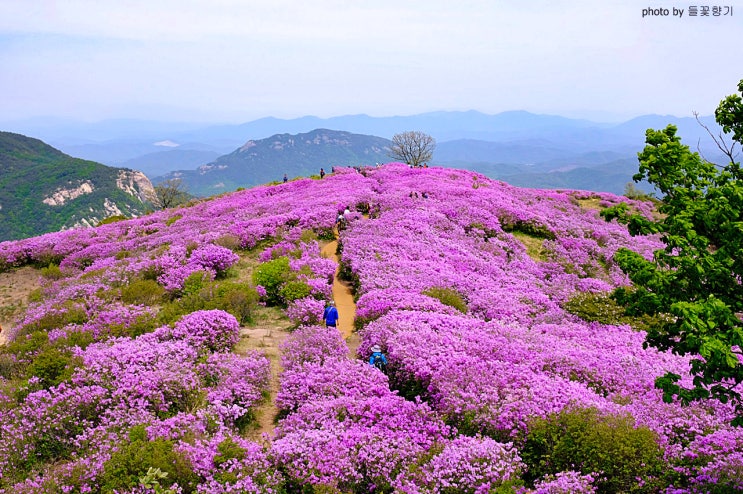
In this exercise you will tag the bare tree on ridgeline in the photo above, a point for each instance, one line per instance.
(171, 193)
(412, 147)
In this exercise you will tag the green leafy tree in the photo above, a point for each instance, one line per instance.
(696, 282)
(412, 147)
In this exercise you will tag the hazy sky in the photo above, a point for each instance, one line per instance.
(238, 60)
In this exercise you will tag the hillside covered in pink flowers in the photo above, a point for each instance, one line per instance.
(509, 368)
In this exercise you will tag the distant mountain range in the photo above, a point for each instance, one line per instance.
(266, 160)
(516, 146)
(44, 190)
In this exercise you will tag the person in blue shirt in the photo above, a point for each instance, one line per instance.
(378, 359)
(330, 316)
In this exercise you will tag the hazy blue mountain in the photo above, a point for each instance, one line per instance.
(44, 190)
(503, 143)
(162, 162)
(607, 177)
(265, 160)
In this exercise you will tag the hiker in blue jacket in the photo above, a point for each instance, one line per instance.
(330, 316)
(378, 359)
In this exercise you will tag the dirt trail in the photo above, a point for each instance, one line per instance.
(272, 332)
(267, 339)
(343, 297)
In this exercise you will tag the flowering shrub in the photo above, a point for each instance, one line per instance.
(312, 344)
(305, 311)
(467, 465)
(211, 330)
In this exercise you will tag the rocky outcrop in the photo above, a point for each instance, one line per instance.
(136, 184)
(61, 196)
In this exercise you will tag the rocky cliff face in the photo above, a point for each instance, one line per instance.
(136, 184)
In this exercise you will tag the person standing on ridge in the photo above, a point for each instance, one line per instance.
(378, 359)
(286, 179)
(330, 315)
(322, 172)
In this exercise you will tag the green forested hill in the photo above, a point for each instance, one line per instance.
(43, 189)
(265, 160)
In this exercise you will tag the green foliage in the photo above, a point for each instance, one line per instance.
(628, 458)
(602, 308)
(52, 366)
(271, 275)
(293, 290)
(144, 292)
(173, 219)
(239, 299)
(68, 313)
(531, 228)
(696, 277)
(448, 296)
(138, 455)
(112, 219)
(52, 272)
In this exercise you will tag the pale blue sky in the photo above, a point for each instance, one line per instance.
(234, 61)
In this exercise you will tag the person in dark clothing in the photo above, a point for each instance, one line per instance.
(330, 316)
(286, 179)
(322, 172)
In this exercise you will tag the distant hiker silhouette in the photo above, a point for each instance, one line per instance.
(322, 172)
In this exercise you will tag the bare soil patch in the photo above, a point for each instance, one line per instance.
(15, 287)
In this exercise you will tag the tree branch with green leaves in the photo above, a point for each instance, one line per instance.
(696, 280)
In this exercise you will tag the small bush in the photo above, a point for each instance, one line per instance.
(145, 292)
(52, 272)
(602, 308)
(112, 219)
(294, 290)
(448, 296)
(229, 241)
(530, 227)
(173, 219)
(271, 275)
(626, 458)
(239, 299)
(52, 366)
(69, 313)
(136, 456)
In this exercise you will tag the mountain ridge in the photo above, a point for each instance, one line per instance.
(43, 189)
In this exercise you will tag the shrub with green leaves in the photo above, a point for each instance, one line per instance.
(145, 292)
(137, 455)
(294, 290)
(602, 308)
(271, 275)
(626, 458)
(448, 296)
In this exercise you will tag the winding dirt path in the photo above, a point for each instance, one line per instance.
(343, 297)
(272, 333)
